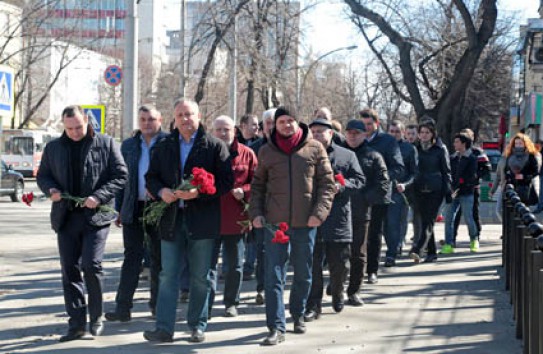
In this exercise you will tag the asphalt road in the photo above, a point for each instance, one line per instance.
(457, 305)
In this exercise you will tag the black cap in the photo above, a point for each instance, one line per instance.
(356, 124)
(321, 121)
(284, 111)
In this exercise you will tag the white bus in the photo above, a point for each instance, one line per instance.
(22, 148)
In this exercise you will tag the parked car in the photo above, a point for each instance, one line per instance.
(12, 183)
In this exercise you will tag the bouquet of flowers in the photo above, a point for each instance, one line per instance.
(199, 179)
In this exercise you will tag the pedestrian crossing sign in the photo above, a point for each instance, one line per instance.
(97, 116)
(6, 90)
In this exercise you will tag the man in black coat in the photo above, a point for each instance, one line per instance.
(191, 222)
(335, 235)
(373, 193)
(87, 165)
(387, 146)
(131, 202)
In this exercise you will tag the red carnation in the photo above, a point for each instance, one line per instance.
(283, 226)
(28, 198)
(280, 237)
(340, 179)
(461, 180)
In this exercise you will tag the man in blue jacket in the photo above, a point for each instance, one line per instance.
(131, 202)
(191, 222)
(81, 164)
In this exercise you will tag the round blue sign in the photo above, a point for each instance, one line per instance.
(113, 75)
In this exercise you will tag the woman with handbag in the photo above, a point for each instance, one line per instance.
(521, 167)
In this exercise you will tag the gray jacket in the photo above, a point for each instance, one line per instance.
(104, 174)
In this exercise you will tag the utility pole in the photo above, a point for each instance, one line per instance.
(182, 73)
(130, 84)
(233, 75)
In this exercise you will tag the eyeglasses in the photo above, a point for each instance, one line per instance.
(366, 115)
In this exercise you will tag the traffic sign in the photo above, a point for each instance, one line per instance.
(6, 90)
(97, 116)
(113, 75)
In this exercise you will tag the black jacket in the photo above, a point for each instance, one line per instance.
(377, 181)
(128, 197)
(338, 226)
(202, 213)
(434, 172)
(464, 173)
(104, 173)
(387, 146)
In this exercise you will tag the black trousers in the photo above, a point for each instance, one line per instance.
(476, 217)
(375, 236)
(427, 207)
(359, 251)
(337, 255)
(81, 248)
(134, 244)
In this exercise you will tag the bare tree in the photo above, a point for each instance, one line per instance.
(388, 24)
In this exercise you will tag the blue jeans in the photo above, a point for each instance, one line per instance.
(199, 253)
(260, 259)
(395, 224)
(299, 253)
(233, 249)
(466, 203)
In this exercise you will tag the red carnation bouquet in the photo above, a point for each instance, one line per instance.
(199, 179)
(27, 198)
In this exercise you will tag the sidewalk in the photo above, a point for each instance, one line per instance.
(457, 305)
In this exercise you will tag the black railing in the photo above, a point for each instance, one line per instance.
(522, 260)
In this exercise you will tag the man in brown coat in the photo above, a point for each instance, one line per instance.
(293, 183)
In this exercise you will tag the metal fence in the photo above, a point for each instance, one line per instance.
(522, 259)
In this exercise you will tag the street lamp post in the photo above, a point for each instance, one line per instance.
(301, 88)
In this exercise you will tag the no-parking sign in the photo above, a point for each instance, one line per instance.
(113, 75)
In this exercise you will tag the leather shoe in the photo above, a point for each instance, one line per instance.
(274, 337)
(96, 328)
(355, 300)
(157, 335)
(121, 317)
(313, 314)
(338, 304)
(72, 334)
(197, 336)
(372, 278)
(299, 326)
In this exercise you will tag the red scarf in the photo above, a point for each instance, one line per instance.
(287, 144)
